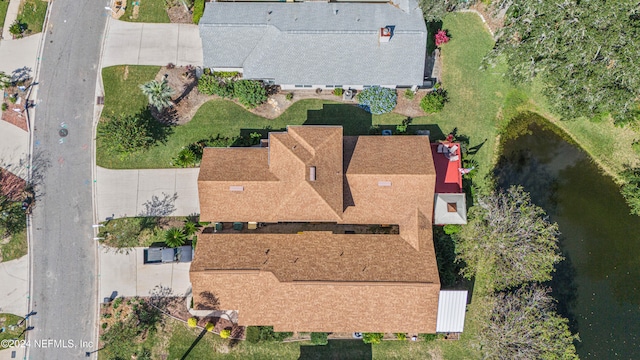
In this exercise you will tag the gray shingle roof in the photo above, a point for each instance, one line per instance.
(315, 43)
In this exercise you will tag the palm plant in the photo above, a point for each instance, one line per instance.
(159, 93)
(174, 237)
(189, 228)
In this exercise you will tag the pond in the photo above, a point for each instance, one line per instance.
(598, 285)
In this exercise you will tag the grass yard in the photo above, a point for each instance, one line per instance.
(122, 94)
(4, 5)
(33, 12)
(16, 247)
(7, 320)
(150, 11)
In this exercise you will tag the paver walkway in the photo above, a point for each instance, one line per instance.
(14, 288)
(128, 43)
(150, 192)
(126, 275)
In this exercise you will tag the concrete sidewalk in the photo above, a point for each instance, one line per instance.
(19, 53)
(151, 192)
(14, 288)
(128, 43)
(128, 276)
(14, 147)
(12, 15)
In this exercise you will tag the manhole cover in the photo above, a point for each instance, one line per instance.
(63, 132)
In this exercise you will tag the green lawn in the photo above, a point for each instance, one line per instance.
(4, 4)
(33, 12)
(151, 11)
(122, 94)
(5, 321)
(16, 247)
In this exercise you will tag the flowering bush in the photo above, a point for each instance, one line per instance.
(192, 322)
(209, 327)
(377, 100)
(225, 333)
(441, 37)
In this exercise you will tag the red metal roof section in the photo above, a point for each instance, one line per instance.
(448, 176)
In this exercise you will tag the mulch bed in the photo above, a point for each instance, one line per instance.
(15, 115)
(179, 15)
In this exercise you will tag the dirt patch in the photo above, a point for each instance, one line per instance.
(179, 15)
(187, 99)
(15, 113)
(410, 107)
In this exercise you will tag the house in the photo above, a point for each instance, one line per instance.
(321, 281)
(316, 44)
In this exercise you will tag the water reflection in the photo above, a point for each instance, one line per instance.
(598, 285)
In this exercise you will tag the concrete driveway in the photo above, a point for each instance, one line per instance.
(14, 288)
(151, 192)
(19, 53)
(128, 276)
(129, 43)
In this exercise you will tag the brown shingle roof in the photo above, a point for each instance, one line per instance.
(295, 281)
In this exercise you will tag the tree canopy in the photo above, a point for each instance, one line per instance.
(585, 53)
(510, 238)
(524, 325)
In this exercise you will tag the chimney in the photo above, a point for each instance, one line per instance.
(385, 34)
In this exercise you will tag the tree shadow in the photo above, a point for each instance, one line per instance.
(157, 206)
(354, 120)
(209, 301)
(564, 289)
(337, 349)
(195, 342)
(20, 75)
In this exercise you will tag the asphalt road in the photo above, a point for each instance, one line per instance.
(63, 252)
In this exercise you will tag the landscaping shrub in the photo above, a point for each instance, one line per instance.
(409, 94)
(319, 338)
(192, 322)
(441, 37)
(401, 336)
(256, 334)
(338, 91)
(126, 134)
(186, 158)
(5, 106)
(253, 334)
(249, 93)
(174, 237)
(213, 85)
(372, 338)
(434, 101)
(289, 96)
(226, 74)
(18, 28)
(209, 327)
(429, 337)
(198, 10)
(104, 326)
(225, 333)
(377, 100)
(13, 99)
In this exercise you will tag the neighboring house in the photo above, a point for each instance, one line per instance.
(321, 281)
(317, 44)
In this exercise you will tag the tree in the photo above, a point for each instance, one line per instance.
(126, 134)
(510, 239)
(372, 338)
(631, 189)
(158, 93)
(250, 93)
(435, 10)
(174, 237)
(585, 53)
(378, 100)
(524, 325)
(5, 80)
